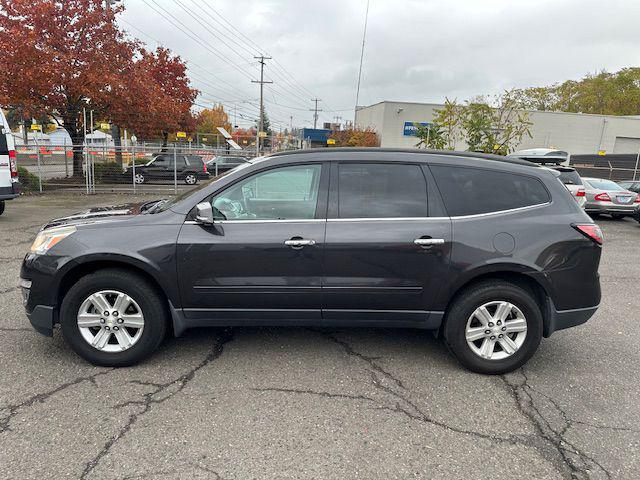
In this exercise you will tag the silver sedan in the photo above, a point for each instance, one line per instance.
(606, 196)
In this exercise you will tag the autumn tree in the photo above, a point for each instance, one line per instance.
(209, 119)
(355, 137)
(66, 55)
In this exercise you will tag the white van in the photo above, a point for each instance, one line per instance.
(9, 186)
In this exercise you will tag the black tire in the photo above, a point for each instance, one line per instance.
(151, 301)
(190, 175)
(468, 301)
(1, 207)
(593, 215)
(139, 178)
(617, 216)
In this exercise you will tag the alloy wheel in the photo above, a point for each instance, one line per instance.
(190, 179)
(139, 178)
(496, 330)
(110, 321)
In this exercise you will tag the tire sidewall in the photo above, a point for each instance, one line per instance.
(466, 304)
(186, 179)
(136, 288)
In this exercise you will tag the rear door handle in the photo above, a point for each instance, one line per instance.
(299, 242)
(427, 242)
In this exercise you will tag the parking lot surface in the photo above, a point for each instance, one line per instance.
(247, 403)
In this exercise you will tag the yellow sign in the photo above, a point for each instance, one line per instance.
(331, 141)
(262, 134)
(104, 126)
(190, 139)
(602, 153)
(204, 139)
(35, 126)
(181, 134)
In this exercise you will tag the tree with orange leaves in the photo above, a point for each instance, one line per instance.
(69, 55)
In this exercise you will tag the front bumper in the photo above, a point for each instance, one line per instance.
(42, 318)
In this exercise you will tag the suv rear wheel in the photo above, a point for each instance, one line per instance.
(113, 318)
(493, 327)
(1, 207)
(190, 178)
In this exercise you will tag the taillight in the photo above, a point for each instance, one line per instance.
(637, 198)
(581, 193)
(204, 167)
(13, 165)
(602, 197)
(591, 231)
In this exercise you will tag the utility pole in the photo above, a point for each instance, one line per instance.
(315, 112)
(262, 81)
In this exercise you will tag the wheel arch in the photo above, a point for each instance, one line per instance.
(81, 269)
(518, 276)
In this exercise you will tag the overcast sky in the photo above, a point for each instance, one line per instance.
(416, 50)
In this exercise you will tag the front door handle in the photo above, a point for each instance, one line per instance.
(299, 243)
(428, 242)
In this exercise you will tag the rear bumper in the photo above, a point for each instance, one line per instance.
(42, 318)
(609, 207)
(561, 319)
(8, 193)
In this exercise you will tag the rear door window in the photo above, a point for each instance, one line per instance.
(604, 185)
(473, 191)
(4, 148)
(380, 190)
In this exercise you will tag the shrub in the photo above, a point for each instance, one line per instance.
(28, 181)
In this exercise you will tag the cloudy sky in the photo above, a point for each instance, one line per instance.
(416, 50)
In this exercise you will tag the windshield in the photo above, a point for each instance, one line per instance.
(570, 177)
(605, 184)
(169, 202)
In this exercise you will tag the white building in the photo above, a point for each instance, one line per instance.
(573, 132)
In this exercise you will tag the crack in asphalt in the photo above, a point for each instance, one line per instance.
(174, 471)
(8, 290)
(13, 410)
(547, 440)
(148, 399)
(369, 360)
(315, 392)
(16, 329)
(569, 459)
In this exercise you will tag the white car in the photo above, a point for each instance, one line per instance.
(9, 186)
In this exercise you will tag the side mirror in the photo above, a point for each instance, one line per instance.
(204, 213)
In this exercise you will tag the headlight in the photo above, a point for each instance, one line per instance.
(46, 239)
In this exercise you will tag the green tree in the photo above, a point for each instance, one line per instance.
(430, 135)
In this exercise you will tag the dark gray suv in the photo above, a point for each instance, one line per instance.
(492, 253)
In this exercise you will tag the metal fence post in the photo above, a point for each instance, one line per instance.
(175, 169)
(133, 159)
(66, 160)
(635, 170)
(39, 169)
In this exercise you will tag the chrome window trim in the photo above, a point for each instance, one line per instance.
(224, 222)
(383, 219)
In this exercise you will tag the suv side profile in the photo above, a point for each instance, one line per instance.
(492, 253)
(188, 168)
(9, 186)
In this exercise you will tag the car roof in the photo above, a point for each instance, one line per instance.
(329, 151)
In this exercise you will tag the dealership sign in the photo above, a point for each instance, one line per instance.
(410, 128)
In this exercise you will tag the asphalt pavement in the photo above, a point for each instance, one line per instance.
(265, 403)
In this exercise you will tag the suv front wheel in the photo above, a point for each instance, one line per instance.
(113, 318)
(493, 327)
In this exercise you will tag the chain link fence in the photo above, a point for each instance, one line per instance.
(145, 168)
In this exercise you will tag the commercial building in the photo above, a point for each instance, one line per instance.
(575, 133)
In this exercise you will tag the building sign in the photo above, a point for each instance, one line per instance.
(181, 134)
(410, 129)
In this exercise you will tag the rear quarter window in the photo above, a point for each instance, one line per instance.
(472, 191)
(570, 177)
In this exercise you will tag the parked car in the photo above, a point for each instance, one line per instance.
(606, 196)
(492, 253)
(631, 185)
(557, 160)
(9, 186)
(188, 168)
(224, 163)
